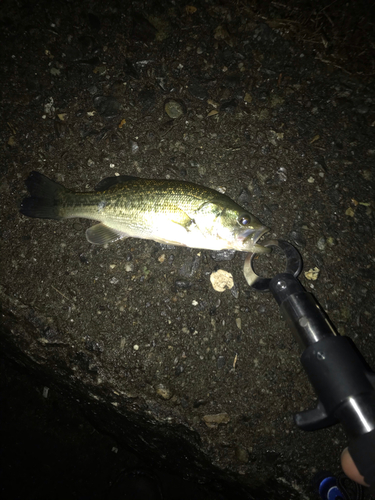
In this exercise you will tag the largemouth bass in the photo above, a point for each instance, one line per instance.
(166, 211)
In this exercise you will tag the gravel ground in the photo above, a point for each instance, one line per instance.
(273, 105)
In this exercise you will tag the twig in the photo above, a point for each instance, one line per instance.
(326, 7)
(65, 297)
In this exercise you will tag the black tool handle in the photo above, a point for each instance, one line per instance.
(340, 376)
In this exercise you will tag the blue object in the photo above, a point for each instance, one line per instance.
(328, 489)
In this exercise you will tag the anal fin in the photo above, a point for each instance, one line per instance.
(100, 234)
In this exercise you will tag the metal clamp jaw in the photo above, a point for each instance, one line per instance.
(294, 265)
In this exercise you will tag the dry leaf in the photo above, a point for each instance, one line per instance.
(349, 212)
(221, 280)
(312, 274)
(248, 98)
(190, 9)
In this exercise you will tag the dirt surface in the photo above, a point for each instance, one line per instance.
(280, 120)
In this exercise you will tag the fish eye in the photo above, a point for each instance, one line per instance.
(244, 220)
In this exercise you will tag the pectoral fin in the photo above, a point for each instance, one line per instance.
(100, 234)
(182, 219)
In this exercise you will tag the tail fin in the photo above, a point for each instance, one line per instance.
(45, 197)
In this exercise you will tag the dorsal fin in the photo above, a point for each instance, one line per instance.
(113, 182)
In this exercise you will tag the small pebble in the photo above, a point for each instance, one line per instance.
(321, 243)
(163, 391)
(331, 241)
(221, 255)
(174, 109)
(220, 363)
(235, 291)
(107, 106)
(241, 454)
(213, 421)
(182, 284)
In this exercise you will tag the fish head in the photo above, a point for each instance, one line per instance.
(241, 230)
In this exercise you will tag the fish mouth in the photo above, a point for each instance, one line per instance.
(254, 236)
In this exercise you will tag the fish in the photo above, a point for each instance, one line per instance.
(167, 211)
